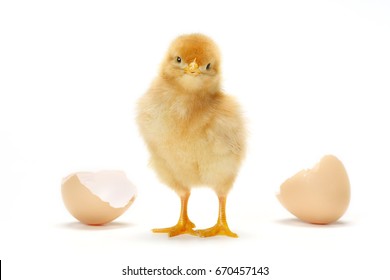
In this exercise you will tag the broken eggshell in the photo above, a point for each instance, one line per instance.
(97, 198)
(320, 195)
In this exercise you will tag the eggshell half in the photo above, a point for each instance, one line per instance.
(320, 195)
(89, 207)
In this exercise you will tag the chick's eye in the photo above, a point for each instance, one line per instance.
(178, 59)
(208, 66)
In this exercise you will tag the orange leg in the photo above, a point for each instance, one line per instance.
(221, 227)
(184, 225)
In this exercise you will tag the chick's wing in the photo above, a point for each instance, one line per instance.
(227, 131)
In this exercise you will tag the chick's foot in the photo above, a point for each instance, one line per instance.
(221, 227)
(218, 229)
(182, 227)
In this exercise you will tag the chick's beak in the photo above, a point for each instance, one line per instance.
(192, 68)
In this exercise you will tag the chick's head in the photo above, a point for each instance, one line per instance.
(193, 64)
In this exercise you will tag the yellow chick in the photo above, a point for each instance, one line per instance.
(194, 132)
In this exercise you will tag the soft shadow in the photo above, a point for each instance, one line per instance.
(299, 223)
(81, 226)
(184, 239)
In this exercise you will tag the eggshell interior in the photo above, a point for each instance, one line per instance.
(88, 207)
(320, 195)
(110, 186)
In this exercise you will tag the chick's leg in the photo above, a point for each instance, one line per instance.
(184, 225)
(221, 227)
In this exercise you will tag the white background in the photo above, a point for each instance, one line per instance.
(313, 78)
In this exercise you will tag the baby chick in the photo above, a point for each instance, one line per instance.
(194, 131)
